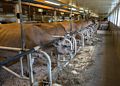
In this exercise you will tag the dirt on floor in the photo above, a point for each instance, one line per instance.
(72, 75)
(75, 73)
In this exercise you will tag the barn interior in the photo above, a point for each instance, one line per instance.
(59, 42)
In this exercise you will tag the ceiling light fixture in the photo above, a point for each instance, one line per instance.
(73, 9)
(94, 14)
(81, 11)
(81, 8)
(52, 3)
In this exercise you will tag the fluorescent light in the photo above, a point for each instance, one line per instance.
(62, 13)
(52, 2)
(81, 8)
(40, 10)
(81, 11)
(73, 9)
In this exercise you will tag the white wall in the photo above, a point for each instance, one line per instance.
(115, 17)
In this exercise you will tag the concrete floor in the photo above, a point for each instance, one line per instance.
(106, 70)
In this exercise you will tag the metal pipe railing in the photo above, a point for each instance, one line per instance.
(48, 67)
(29, 59)
(11, 48)
(75, 45)
(15, 74)
(20, 56)
(12, 59)
(65, 39)
(83, 38)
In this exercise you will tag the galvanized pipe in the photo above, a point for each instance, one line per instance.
(21, 26)
(65, 39)
(21, 66)
(48, 66)
(30, 67)
(75, 44)
(11, 48)
(15, 74)
(83, 39)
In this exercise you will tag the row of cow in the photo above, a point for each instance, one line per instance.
(66, 37)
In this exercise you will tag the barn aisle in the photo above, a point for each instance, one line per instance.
(106, 70)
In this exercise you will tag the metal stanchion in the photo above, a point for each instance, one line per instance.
(48, 66)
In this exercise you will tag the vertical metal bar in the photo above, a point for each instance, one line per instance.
(58, 61)
(21, 26)
(73, 41)
(55, 17)
(83, 40)
(29, 58)
(71, 2)
(71, 26)
(21, 66)
(75, 44)
(49, 67)
(78, 18)
(70, 43)
(29, 15)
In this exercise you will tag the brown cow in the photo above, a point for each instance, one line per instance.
(35, 34)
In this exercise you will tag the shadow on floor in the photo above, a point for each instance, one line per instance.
(106, 70)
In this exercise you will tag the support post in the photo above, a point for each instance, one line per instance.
(55, 15)
(48, 66)
(29, 58)
(21, 25)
